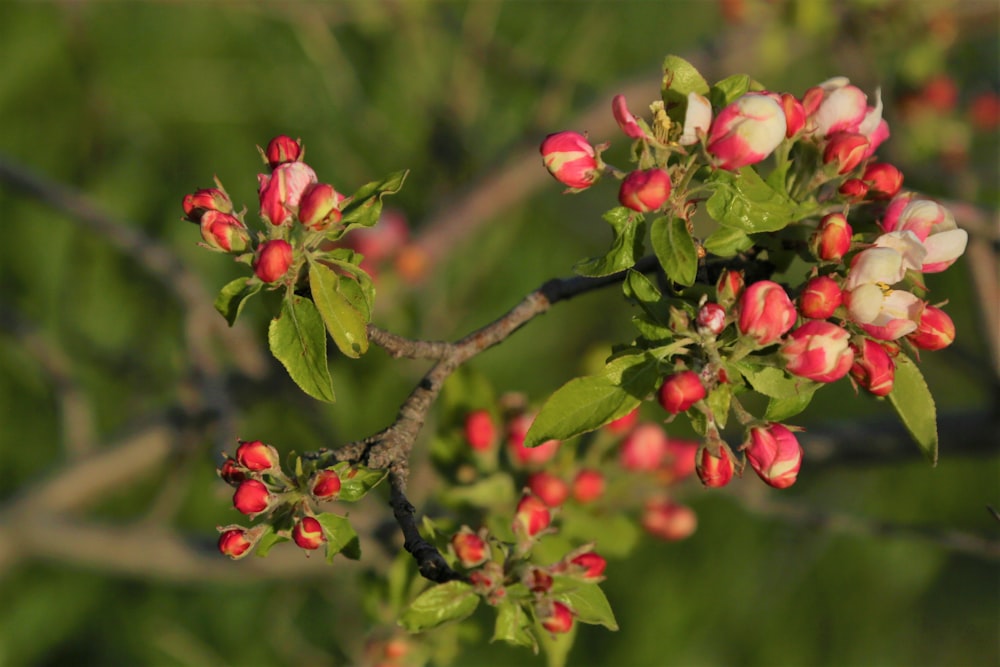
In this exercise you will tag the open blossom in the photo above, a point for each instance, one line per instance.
(626, 121)
(774, 454)
(933, 225)
(884, 313)
(570, 159)
(746, 131)
(818, 350)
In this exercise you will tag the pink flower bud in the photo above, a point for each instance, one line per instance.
(832, 239)
(255, 456)
(935, 330)
(223, 232)
(715, 471)
(766, 312)
(644, 448)
(470, 548)
(846, 150)
(537, 580)
(681, 459)
(480, 431)
(281, 191)
(835, 106)
(668, 520)
(884, 180)
(934, 226)
(527, 456)
(319, 207)
(235, 543)
(711, 319)
(774, 454)
(560, 621)
(795, 114)
(818, 350)
(588, 486)
(570, 159)
(984, 111)
(551, 489)
(251, 497)
(820, 297)
(207, 199)
(873, 368)
(854, 189)
(746, 131)
(282, 149)
(231, 473)
(624, 423)
(626, 121)
(645, 190)
(532, 516)
(325, 485)
(593, 565)
(728, 287)
(308, 533)
(680, 391)
(273, 260)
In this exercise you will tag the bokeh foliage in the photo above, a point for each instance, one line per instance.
(137, 103)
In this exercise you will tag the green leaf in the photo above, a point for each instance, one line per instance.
(680, 78)
(641, 289)
(729, 89)
(915, 406)
(590, 605)
(586, 403)
(452, 601)
(365, 205)
(780, 409)
(346, 325)
(297, 339)
(629, 230)
(356, 481)
(719, 400)
(340, 537)
(513, 626)
(675, 249)
(727, 242)
(615, 534)
(744, 201)
(774, 382)
(268, 540)
(496, 490)
(231, 298)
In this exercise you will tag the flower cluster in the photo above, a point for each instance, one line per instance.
(822, 197)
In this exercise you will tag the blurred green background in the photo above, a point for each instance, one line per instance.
(118, 387)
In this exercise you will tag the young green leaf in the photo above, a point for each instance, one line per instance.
(452, 601)
(513, 626)
(680, 78)
(365, 205)
(745, 202)
(780, 409)
(346, 325)
(915, 406)
(340, 537)
(729, 89)
(231, 298)
(629, 230)
(268, 540)
(297, 339)
(590, 605)
(356, 481)
(675, 249)
(727, 242)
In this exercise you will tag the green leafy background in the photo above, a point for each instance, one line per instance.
(136, 104)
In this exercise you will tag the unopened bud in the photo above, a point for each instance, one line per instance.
(588, 486)
(560, 620)
(308, 533)
(551, 489)
(470, 548)
(532, 516)
(668, 520)
(680, 391)
(251, 497)
(935, 330)
(715, 471)
(820, 297)
(570, 159)
(480, 431)
(256, 456)
(223, 232)
(235, 543)
(645, 190)
(325, 485)
(282, 149)
(273, 260)
(775, 454)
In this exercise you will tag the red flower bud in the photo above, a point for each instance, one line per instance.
(624, 423)
(715, 471)
(251, 497)
(281, 192)
(223, 232)
(832, 239)
(470, 548)
(532, 516)
(208, 199)
(561, 619)
(480, 431)
(537, 580)
(282, 149)
(818, 350)
(588, 486)
(728, 288)
(669, 521)
(680, 391)
(527, 456)
(593, 565)
(645, 190)
(551, 489)
(308, 533)
(766, 312)
(231, 473)
(325, 485)
(820, 297)
(935, 330)
(319, 206)
(854, 188)
(644, 448)
(774, 454)
(711, 318)
(846, 150)
(873, 368)
(256, 456)
(273, 260)
(234, 543)
(570, 159)
(884, 180)
(795, 114)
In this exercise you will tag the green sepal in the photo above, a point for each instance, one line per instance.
(675, 249)
(443, 603)
(234, 295)
(915, 406)
(297, 339)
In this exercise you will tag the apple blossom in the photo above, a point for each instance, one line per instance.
(746, 131)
